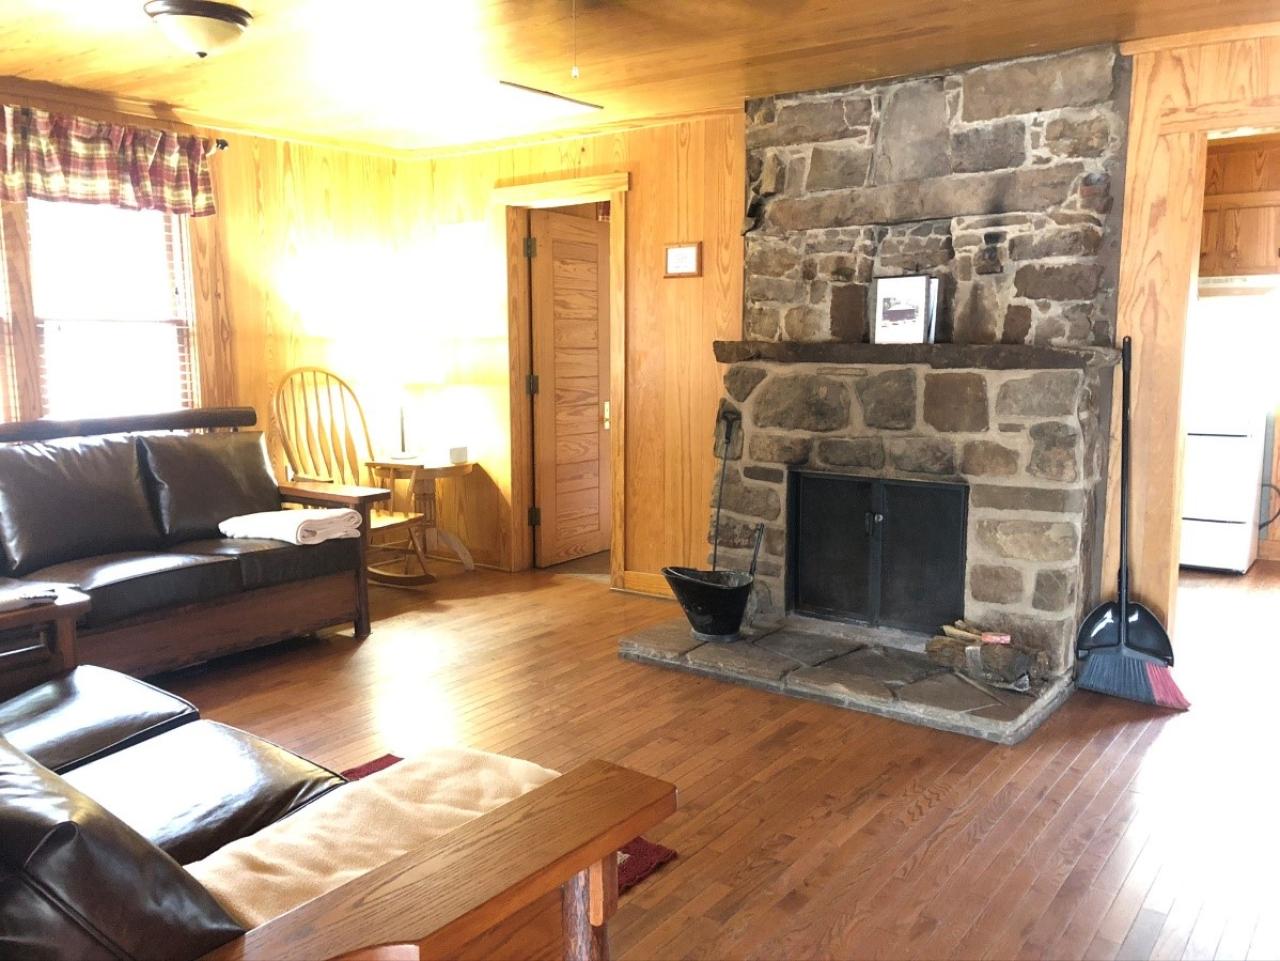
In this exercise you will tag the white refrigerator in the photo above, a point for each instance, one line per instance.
(1224, 424)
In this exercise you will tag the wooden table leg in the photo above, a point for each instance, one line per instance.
(459, 549)
(426, 494)
(363, 619)
(590, 899)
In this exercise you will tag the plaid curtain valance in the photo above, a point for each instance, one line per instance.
(55, 157)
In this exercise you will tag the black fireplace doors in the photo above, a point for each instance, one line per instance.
(876, 551)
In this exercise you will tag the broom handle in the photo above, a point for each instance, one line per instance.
(1126, 368)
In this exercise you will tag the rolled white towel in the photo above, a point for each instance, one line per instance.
(309, 526)
(19, 598)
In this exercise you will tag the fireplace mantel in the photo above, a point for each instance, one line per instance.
(937, 356)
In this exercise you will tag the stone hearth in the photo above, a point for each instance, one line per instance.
(852, 669)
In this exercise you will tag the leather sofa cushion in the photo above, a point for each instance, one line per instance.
(72, 498)
(78, 883)
(202, 785)
(86, 714)
(265, 563)
(123, 585)
(199, 480)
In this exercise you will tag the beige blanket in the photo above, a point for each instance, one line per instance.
(358, 827)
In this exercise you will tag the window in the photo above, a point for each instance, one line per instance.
(111, 304)
(8, 380)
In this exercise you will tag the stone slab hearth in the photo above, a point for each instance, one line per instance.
(861, 669)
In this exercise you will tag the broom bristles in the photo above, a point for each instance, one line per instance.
(1165, 689)
(1132, 678)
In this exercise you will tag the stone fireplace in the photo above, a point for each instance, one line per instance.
(1005, 182)
(1023, 430)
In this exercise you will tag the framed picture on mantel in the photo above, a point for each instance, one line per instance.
(904, 310)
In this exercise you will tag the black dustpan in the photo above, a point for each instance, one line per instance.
(1124, 623)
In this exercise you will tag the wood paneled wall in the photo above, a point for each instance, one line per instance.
(391, 271)
(1184, 89)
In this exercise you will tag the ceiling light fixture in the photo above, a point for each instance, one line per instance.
(544, 105)
(573, 71)
(199, 26)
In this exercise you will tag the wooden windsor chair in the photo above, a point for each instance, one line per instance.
(326, 438)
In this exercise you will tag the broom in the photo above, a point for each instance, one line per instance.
(1124, 649)
(1123, 672)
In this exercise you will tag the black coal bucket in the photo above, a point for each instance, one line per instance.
(714, 601)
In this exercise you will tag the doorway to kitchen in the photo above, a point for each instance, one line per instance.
(1230, 394)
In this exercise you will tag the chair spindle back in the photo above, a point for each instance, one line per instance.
(322, 427)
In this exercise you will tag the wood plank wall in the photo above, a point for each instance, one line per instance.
(1183, 89)
(389, 271)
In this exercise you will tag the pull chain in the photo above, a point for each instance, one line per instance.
(574, 72)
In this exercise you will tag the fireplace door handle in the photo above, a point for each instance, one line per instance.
(872, 520)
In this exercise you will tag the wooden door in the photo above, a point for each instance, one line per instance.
(569, 279)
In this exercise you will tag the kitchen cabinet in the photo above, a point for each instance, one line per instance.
(1239, 240)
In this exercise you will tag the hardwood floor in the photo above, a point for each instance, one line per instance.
(1116, 831)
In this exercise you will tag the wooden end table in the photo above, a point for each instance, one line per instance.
(39, 641)
(413, 488)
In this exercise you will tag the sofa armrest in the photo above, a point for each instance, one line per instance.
(361, 499)
(447, 893)
(320, 494)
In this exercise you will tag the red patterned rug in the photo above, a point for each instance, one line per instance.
(636, 861)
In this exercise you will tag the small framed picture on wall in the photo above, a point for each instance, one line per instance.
(684, 260)
(904, 310)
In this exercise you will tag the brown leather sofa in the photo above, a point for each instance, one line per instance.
(107, 786)
(132, 521)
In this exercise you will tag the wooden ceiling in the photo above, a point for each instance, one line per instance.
(419, 75)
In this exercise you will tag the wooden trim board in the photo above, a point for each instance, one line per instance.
(520, 350)
(24, 338)
(618, 383)
(1249, 31)
(642, 582)
(1257, 198)
(563, 193)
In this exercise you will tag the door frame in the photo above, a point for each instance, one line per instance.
(1186, 89)
(511, 203)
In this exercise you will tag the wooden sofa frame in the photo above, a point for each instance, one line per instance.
(180, 636)
(534, 878)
